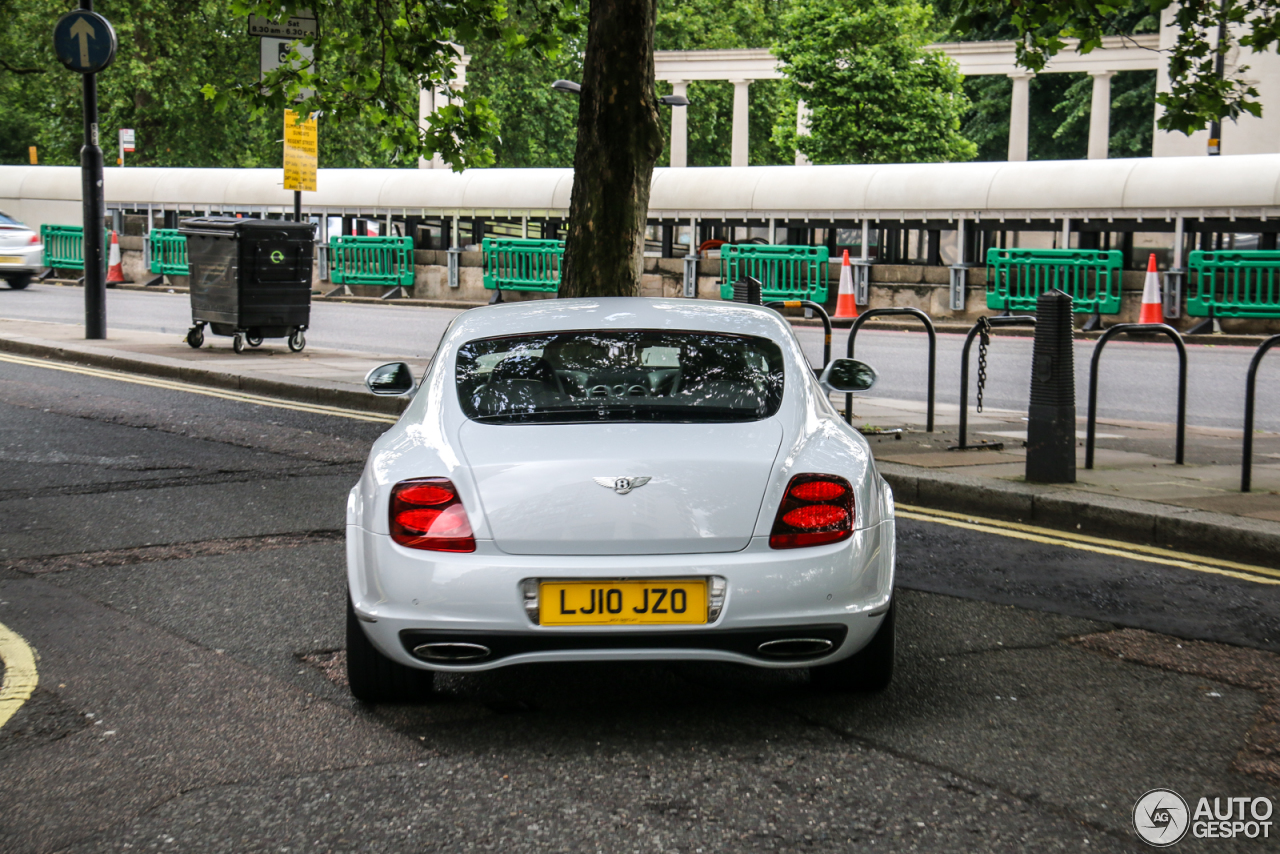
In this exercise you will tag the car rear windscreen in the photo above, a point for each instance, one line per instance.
(635, 375)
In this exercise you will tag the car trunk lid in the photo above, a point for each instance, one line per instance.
(574, 489)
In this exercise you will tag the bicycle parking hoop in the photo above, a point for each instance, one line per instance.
(933, 354)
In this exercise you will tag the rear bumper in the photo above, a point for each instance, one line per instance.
(30, 260)
(408, 599)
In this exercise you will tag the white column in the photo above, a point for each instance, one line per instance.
(1019, 116)
(426, 106)
(679, 126)
(802, 129)
(741, 123)
(1100, 115)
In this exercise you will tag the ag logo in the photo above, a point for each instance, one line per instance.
(277, 256)
(1161, 817)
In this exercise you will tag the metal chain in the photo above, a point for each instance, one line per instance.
(984, 339)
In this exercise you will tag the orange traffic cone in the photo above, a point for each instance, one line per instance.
(115, 270)
(846, 307)
(1152, 304)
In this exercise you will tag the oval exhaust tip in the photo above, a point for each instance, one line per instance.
(451, 651)
(795, 647)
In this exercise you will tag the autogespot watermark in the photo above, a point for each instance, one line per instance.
(1162, 817)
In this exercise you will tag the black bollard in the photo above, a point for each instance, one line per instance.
(747, 289)
(1051, 425)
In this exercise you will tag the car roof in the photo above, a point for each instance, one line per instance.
(619, 313)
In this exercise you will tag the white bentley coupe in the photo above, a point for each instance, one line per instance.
(619, 479)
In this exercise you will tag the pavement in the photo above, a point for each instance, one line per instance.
(1135, 492)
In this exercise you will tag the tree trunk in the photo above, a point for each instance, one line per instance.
(619, 140)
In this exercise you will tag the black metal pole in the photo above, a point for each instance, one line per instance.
(95, 283)
(1219, 67)
(1246, 457)
(297, 206)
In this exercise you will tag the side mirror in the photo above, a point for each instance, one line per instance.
(847, 375)
(393, 379)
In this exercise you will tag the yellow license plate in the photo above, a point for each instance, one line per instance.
(622, 603)
(10, 259)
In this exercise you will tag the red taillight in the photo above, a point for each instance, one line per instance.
(35, 238)
(817, 509)
(426, 513)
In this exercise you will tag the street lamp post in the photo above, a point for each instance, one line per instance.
(84, 42)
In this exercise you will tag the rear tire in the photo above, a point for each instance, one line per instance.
(297, 340)
(870, 669)
(374, 678)
(20, 282)
(195, 337)
(253, 340)
(237, 342)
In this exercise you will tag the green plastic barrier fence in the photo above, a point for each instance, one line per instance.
(1235, 284)
(784, 272)
(1017, 277)
(357, 260)
(64, 246)
(169, 253)
(516, 264)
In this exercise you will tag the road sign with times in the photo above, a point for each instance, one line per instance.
(299, 26)
(126, 140)
(84, 41)
(300, 152)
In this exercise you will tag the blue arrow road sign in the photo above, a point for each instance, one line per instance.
(84, 41)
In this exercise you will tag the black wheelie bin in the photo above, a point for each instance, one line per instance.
(250, 279)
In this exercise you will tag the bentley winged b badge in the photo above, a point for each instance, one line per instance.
(621, 485)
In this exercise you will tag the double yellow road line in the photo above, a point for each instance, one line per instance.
(1097, 545)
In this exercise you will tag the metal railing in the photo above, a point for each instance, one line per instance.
(168, 252)
(1246, 457)
(933, 354)
(822, 315)
(1008, 320)
(784, 272)
(1234, 284)
(519, 264)
(1017, 277)
(1119, 329)
(385, 261)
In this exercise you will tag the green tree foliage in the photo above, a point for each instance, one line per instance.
(536, 125)
(875, 94)
(373, 57)
(712, 25)
(167, 50)
(1198, 94)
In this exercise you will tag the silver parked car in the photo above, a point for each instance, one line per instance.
(21, 252)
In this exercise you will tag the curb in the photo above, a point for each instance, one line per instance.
(1217, 535)
(298, 392)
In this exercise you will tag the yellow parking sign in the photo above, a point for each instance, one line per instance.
(300, 150)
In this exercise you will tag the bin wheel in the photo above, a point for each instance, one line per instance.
(253, 340)
(237, 342)
(195, 337)
(297, 341)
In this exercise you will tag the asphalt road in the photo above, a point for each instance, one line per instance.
(175, 561)
(1138, 380)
